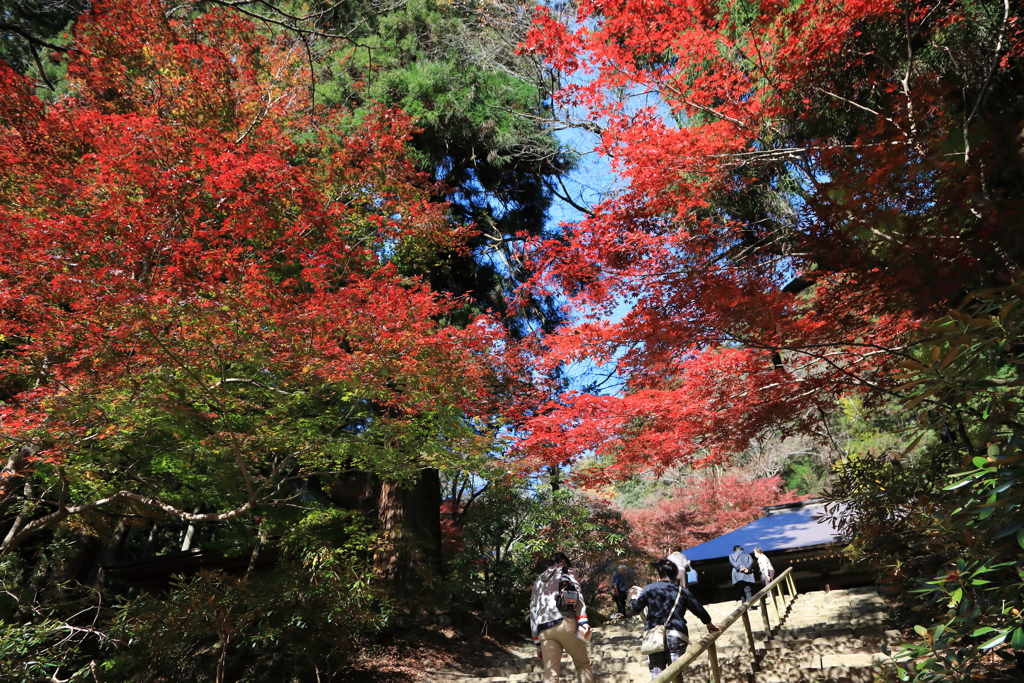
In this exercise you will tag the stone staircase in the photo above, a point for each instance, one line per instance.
(836, 636)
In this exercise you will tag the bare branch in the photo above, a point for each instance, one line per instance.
(5, 26)
(242, 380)
(988, 78)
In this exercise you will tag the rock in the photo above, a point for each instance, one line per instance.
(852, 660)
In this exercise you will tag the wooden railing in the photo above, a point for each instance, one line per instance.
(707, 643)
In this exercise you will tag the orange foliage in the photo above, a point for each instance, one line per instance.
(704, 508)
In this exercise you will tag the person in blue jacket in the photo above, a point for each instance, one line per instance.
(619, 589)
(742, 572)
(659, 598)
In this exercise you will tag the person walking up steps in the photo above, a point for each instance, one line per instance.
(764, 565)
(619, 589)
(677, 558)
(667, 601)
(742, 574)
(558, 620)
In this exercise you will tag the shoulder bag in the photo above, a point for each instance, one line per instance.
(654, 639)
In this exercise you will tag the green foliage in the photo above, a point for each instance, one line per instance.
(50, 628)
(27, 651)
(306, 614)
(510, 531)
(880, 505)
(638, 491)
(303, 617)
(47, 21)
(484, 121)
(949, 528)
(875, 429)
(804, 475)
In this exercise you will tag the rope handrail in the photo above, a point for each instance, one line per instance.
(707, 643)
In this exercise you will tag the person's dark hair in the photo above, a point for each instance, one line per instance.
(666, 569)
(558, 558)
(677, 548)
(737, 547)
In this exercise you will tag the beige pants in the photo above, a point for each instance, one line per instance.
(560, 637)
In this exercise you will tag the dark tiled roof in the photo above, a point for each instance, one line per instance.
(787, 527)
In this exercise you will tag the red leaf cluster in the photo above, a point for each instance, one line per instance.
(830, 147)
(704, 508)
(161, 221)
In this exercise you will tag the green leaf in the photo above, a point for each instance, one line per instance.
(989, 644)
(957, 596)
(1010, 529)
(921, 630)
(1017, 642)
(963, 482)
(982, 631)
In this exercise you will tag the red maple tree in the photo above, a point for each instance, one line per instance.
(809, 181)
(705, 507)
(195, 304)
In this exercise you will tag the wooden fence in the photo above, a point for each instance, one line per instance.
(775, 591)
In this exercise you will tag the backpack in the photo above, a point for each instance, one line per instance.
(567, 597)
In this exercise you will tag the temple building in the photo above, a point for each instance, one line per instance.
(794, 535)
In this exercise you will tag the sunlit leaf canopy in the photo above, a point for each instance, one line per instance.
(814, 180)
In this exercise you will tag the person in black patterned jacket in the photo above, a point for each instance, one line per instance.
(659, 598)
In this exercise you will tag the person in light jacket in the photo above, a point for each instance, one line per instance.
(764, 565)
(659, 598)
(555, 630)
(742, 574)
(677, 558)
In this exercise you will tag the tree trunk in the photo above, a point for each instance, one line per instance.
(108, 553)
(423, 503)
(410, 520)
(391, 514)
(22, 517)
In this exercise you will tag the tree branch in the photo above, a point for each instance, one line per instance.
(242, 380)
(5, 26)
(65, 511)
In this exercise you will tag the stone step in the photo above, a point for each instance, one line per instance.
(837, 636)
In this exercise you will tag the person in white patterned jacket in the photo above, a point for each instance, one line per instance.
(558, 620)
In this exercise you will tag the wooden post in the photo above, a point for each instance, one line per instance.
(792, 585)
(716, 675)
(750, 642)
(764, 616)
(775, 602)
